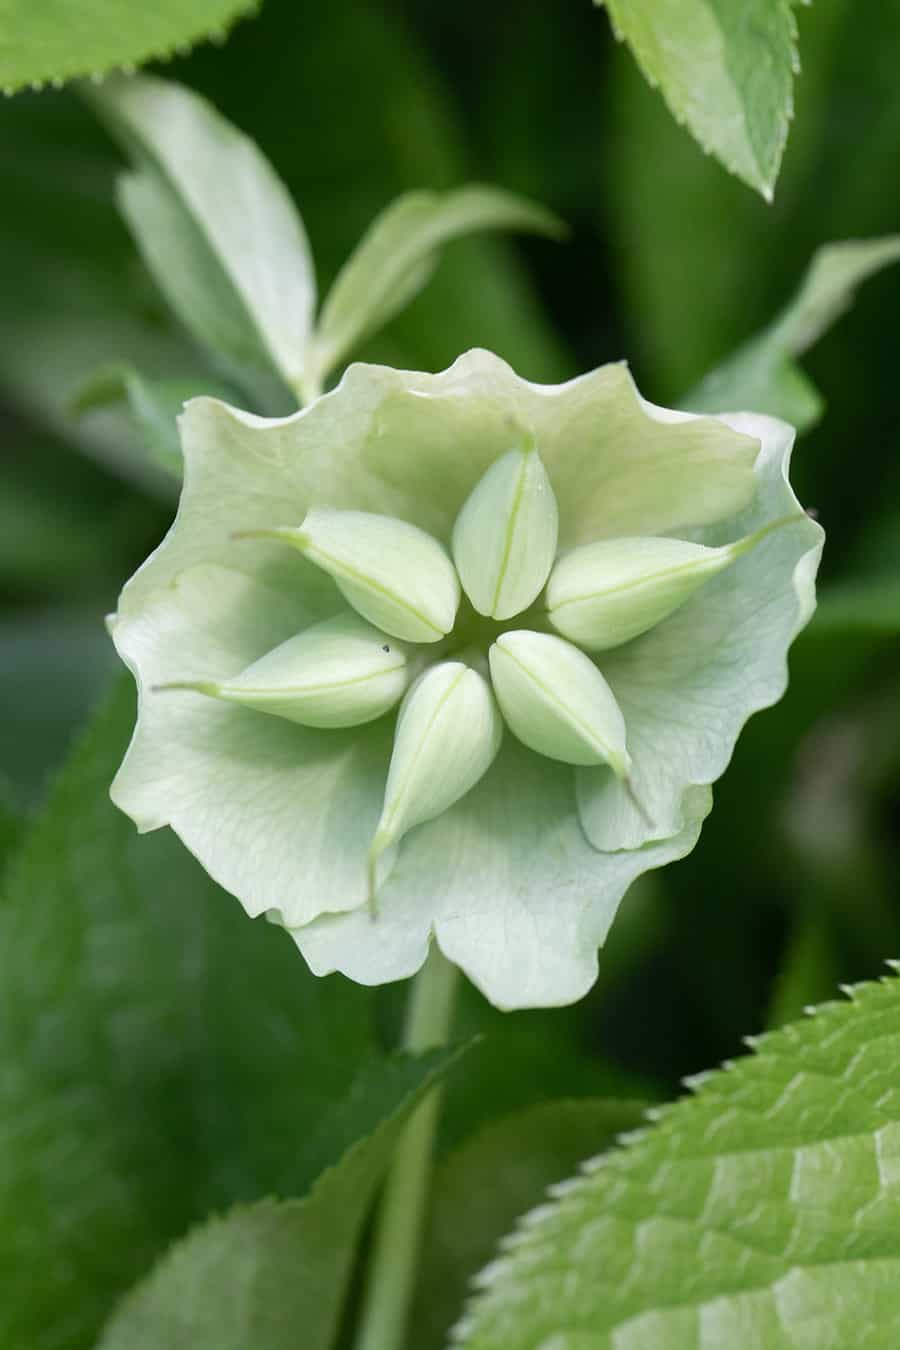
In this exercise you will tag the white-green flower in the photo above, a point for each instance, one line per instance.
(463, 654)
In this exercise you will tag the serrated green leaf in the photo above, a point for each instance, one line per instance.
(68, 38)
(154, 405)
(398, 253)
(273, 1276)
(725, 70)
(215, 223)
(761, 375)
(162, 1056)
(762, 1211)
(480, 1190)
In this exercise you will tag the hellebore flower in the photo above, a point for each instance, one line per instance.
(458, 656)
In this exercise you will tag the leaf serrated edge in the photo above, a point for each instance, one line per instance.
(218, 34)
(697, 1084)
(763, 184)
(443, 1062)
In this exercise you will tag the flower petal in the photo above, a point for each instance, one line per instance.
(414, 445)
(279, 814)
(687, 687)
(508, 885)
(515, 888)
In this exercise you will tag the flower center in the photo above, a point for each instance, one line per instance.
(476, 633)
(501, 633)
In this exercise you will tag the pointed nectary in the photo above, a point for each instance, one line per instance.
(607, 593)
(556, 702)
(448, 733)
(392, 573)
(504, 540)
(338, 673)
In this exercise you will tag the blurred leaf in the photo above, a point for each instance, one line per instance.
(869, 606)
(809, 970)
(763, 1210)
(398, 254)
(725, 71)
(839, 860)
(74, 293)
(85, 37)
(56, 661)
(11, 823)
(61, 535)
(154, 404)
(215, 224)
(481, 1189)
(537, 1056)
(761, 376)
(274, 1275)
(162, 1055)
(75, 296)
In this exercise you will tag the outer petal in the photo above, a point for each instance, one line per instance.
(687, 687)
(414, 445)
(279, 814)
(509, 886)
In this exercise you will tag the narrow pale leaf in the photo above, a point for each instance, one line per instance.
(189, 275)
(226, 201)
(60, 41)
(726, 71)
(761, 376)
(764, 1210)
(396, 256)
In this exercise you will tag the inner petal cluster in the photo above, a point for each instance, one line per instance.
(496, 634)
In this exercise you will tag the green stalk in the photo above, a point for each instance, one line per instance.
(390, 1280)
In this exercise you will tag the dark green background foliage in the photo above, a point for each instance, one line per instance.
(164, 1057)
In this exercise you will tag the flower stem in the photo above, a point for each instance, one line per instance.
(401, 1215)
